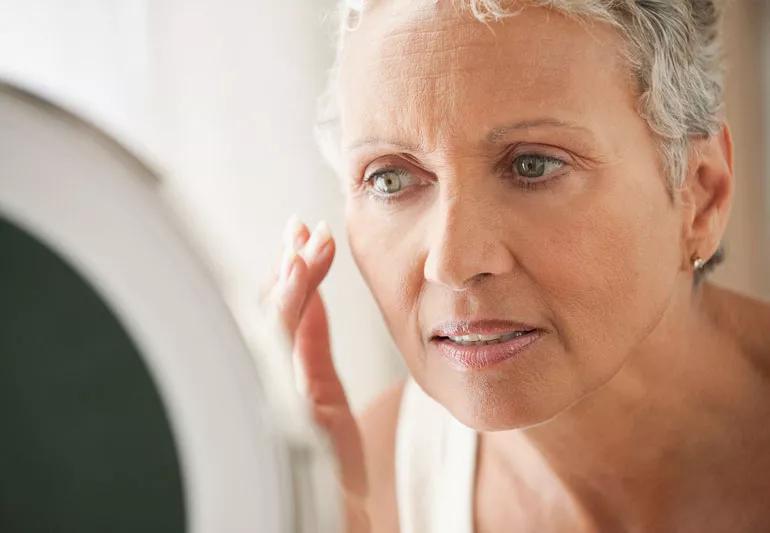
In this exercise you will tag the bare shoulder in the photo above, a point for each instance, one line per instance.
(378, 424)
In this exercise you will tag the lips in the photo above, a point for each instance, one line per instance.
(483, 343)
(458, 328)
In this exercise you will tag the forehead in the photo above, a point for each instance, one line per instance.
(426, 70)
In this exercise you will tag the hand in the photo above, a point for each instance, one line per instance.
(293, 290)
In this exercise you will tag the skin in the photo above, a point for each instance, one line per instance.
(643, 405)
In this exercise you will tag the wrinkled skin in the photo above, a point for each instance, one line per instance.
(591, 252)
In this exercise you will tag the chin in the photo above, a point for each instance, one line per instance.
(515, 394)
(499, 404)
(483, 410)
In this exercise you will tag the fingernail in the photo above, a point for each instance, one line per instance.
(320, 236)
(299, 241)
(291, 231)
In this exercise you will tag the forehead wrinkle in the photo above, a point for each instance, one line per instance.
(446, 30)
(425, 111)
(497, 134)
(414, 38)
(454, 50)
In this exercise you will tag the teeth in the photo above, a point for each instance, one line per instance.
(475, 338)
(486, 339)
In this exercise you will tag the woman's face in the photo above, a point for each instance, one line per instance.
(503, 173)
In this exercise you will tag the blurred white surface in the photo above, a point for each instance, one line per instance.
(220, 98)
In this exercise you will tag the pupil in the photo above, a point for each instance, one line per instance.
(531, 166)
(389, 183)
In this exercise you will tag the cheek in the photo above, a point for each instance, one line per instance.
(606, 271)
(390, 264)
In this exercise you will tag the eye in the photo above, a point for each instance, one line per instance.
(533, 166)
(389, 181)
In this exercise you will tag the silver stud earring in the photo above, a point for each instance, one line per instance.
(698, 262)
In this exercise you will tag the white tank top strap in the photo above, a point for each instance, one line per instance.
(435, 466)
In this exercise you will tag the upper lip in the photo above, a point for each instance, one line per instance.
(457, 328)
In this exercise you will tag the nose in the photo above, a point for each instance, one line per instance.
(466, 242)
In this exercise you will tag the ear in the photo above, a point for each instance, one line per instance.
(707, 194)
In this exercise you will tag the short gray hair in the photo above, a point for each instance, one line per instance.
(674, 50)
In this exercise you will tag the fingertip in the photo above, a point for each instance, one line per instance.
(302, 236)
(329, 249)
(295, 233)
(323, 230)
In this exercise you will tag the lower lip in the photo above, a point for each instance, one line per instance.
(469, 357)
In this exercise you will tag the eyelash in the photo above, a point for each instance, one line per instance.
(530, 185)
(367, 184)
(523, 184)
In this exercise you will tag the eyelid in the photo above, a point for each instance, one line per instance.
(367, 183)
(403, 164)
(393, 162)
(545, 151)
(548, 159)
(542, 182)
(384, 170)
(542, 150)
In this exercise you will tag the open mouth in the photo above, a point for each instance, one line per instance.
(476, 351)
(481, 340)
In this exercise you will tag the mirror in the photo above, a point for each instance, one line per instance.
(130, 400)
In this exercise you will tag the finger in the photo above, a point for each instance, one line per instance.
(299, 277)
(318, 253)
(312, 352)
(290, 291)
(331, 409)
(295, 235)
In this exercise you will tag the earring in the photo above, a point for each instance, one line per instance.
(697, 262)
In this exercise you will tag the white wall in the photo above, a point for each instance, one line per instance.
(220, 97)
(89, 55)
(238, 83)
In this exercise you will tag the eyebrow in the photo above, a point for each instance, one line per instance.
(377, 140)
(494, 136)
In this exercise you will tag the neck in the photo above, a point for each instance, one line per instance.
(629, 448)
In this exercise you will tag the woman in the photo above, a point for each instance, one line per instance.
(534, 193)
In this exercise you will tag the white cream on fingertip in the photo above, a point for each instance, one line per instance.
(323, 231)
(291, 230)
